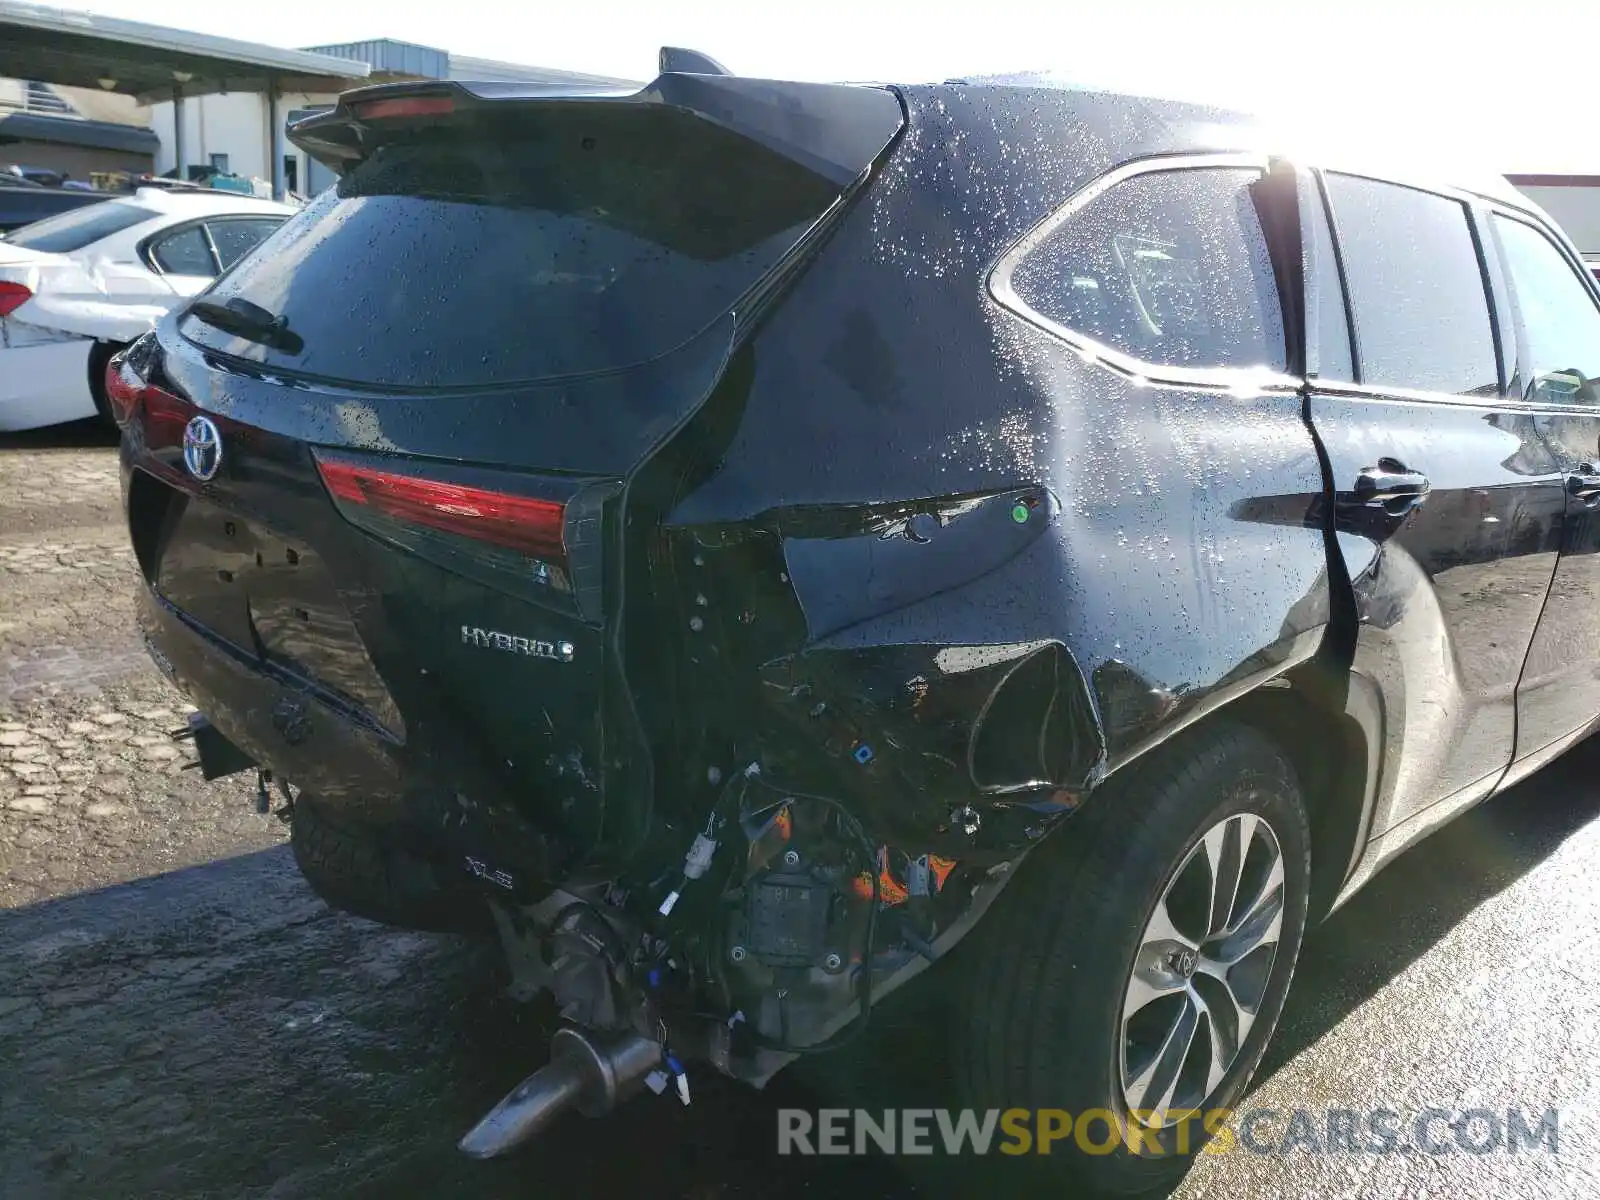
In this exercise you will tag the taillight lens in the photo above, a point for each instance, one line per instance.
(524, 525)
(12, 297)
(124, 388)
(405, 106)
(128, 393)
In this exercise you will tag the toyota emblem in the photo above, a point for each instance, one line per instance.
(202, 448)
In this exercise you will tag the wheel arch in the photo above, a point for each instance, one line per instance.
(100, 354)
(1328, 721)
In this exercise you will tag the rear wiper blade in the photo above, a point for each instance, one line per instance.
(249, 321)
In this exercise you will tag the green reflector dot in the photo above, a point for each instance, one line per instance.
(1019, 513)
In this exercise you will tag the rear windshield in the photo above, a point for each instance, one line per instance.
(479, 256)
(78, 227)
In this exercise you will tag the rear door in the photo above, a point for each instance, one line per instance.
(1448, 510)
(1558, 327)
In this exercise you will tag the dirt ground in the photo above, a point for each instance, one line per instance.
(179, 1016)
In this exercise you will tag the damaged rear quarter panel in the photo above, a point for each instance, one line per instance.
(88, 298)
(1180, 560)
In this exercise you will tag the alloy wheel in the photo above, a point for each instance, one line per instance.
(1201, 971)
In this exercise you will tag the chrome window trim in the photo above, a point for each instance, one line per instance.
(1234, 379)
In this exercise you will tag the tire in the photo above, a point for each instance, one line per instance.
(1043, 1025)
(100, 355)
(358, 871)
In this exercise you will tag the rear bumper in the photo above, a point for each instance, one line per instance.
(355, 770)
(44, 384)
(282, 723)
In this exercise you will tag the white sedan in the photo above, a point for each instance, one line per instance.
(77, 287)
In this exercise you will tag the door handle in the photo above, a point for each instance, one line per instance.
(1389, 487)
(1584, 484)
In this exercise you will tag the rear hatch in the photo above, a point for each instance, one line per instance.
(431, 388)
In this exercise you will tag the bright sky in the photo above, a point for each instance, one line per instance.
(1514, 85)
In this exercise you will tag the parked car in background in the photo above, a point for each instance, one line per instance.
(77, 287)
(23, 201)
(43, 176)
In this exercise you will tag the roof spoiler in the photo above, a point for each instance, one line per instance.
(675, 59)
(835, 130)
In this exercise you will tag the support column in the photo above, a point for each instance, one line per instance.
(276, 144)
(180, 146)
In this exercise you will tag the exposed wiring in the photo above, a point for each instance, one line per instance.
(859, 1026)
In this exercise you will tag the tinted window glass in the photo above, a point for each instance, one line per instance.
(236, 237)
(464, 257)
(184, 253)
(1169, 267)
(1421, 315)
(1331, 322)
(77, 228)
(1559, 316)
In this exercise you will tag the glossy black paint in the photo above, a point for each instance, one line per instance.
(1449, 594)
(811, 561)
(880, 380)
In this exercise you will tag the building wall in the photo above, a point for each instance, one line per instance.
(1574, 205)
(235, 125)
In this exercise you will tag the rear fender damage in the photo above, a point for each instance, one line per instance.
(99, 299)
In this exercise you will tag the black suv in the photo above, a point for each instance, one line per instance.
(729, 537)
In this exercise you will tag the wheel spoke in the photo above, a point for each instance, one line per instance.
(1161, 929)
(1260, 922)
(1153, 1087)
(1225, 1043)
(1225, 846)
(1149, 983)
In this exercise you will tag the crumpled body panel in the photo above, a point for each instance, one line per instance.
(1180, 558)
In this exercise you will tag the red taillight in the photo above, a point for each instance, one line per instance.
(522, 523)
(12, 297)
(405, 106)
(127, 392)
(124, 388)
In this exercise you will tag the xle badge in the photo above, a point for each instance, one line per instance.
(492, 639)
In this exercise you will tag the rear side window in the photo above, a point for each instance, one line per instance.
(503, 252)
(1559, 317)
(1416, 288)
(234, 237)
(1170, 268)
(184, 253)
(1330, 323)
(79, 227)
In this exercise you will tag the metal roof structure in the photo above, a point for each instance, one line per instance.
(74, 131)
(153, 62)
(392, 59)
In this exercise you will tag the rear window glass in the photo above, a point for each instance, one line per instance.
(1170, 267)
(234, 237)
(77, 228)
(184, 253)
(477, 256)
(1416, 288)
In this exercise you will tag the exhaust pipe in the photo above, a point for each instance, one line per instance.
(216, 756)
(585, 1073)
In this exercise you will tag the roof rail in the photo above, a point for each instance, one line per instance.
(675, 59)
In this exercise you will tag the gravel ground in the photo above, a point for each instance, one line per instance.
(179, 1016)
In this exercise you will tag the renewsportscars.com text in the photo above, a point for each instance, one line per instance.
(1264, 1131)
